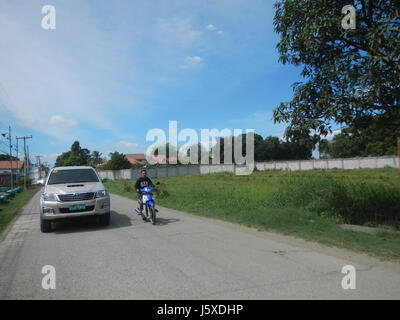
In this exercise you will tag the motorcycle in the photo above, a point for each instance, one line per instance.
(148, 202)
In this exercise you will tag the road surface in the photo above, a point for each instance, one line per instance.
(183, 257)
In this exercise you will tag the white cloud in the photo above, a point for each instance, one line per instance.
(211, 27)
(220, 33)
(57, 120)
(332, 134)
(192, 61)
(49, 158)
(126, 145)
(177, 31)
(42, 71)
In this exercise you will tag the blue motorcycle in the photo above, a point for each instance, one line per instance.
(148, 201)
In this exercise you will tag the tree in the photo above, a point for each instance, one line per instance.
(4, 157)
(117, 161)
(95, 158)
(74, 161)
(62, 158)
(170, 151)
(272, 148)
(201, 149)
(77, 156)
(350, 75)
(371, 139)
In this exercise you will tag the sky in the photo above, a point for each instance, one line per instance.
(111, 71)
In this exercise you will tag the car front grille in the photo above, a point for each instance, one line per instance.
(76, 196)
(66, 210)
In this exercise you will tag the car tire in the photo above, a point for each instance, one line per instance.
(104, 219)
(45, 226)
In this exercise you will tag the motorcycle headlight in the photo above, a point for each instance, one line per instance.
(49, 197)
(101, 194)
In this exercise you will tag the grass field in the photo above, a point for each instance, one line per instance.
(309, 204)
(12, 207)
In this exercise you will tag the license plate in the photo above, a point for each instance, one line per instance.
(77, 207)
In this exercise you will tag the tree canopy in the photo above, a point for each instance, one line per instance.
(273, 148)
(117, 161)
(372, 139)
(78, 156)
(350, 75)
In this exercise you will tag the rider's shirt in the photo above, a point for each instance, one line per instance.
(143, 183)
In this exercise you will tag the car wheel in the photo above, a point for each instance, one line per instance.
(104, 219)
(45, 226)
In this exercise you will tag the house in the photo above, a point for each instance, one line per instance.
(133, 158)
(162, 159)
(17, 168)
(136, 158)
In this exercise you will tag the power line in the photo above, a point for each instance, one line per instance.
(5, 144)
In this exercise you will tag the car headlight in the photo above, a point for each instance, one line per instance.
(101, 194)
(49, 197)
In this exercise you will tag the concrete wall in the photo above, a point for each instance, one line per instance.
(176, 170)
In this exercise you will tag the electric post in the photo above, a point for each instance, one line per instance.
(8, 137)
(38, 164)
(25, 159)
(11, 173)
(17, 171)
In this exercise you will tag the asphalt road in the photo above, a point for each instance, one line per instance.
(183, 257)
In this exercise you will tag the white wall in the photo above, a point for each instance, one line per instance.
(175, 170)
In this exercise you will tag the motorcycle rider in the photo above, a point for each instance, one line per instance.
(143, 182)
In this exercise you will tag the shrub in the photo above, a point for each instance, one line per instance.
(127, 187)
(355, 201)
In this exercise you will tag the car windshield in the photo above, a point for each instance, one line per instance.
(72, 176)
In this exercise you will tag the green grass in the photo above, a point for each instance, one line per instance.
(13, 206)
(308, 204)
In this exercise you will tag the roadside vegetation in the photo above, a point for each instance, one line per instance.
(13, 206)
(310, 205)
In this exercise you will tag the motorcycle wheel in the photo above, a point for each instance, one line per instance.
(153, 218)
(145, 215)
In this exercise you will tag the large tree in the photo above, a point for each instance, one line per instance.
(373, 139)
(4, 157)
(350, 75)
(78, 156)
(273, 148)
(117, 161)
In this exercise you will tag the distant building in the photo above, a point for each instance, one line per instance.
(136, 158)
(133, 158)
(17, 171)
(36, 173)
(162, 159)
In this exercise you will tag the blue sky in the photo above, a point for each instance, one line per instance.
(111, 71)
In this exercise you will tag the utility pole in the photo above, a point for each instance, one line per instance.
(17, 171)
(11, 173)
(38, 164)
(8, 137)
(28, 167)
(25, 159)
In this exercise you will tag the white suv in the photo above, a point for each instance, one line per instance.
(73, 192)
